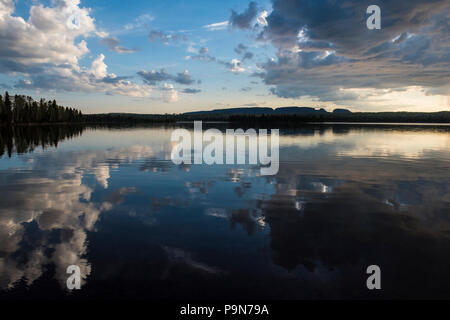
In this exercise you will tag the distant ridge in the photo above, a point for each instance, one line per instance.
(283, 116)
(266, 111)
(249, 110)
(342, 111)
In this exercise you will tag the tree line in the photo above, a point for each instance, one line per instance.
(282, 120)
(23, 109)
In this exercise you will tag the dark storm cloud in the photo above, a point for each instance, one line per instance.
(114, 45)
(324, 46)
(152, 77)
(244, 20)
(344, 23)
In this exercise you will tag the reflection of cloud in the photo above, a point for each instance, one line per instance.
(250, 219)
(54, 205)
(11, 270)
(70, 252)
(369, 142)
(195, 187)
(118, 196)
(176, 255)
(216, 212)
(53, 195)
(102, 175)
(336, 211)
(386, 144)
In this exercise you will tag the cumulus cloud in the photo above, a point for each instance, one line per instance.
(183, 78)
(325, 47)
(46, 49)
(235, 66)
(114, 45)
(153, 77)
(95, 79)
(169, 94)
(98, 67)
(44, 38)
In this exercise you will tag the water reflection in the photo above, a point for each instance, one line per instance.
(113, 203)
(21, 139)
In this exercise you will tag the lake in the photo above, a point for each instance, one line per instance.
(111, 201)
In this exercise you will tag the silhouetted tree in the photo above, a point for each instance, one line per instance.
(2, 108)
(26, 110)
(8, 108)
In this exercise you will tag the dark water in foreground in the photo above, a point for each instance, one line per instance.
(112, 202)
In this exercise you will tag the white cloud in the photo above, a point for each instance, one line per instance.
(99, 68)
(102, 34)
(169, 94)
(261, 19)
(46, 50)
(216, 26)
(45, 37)
(236, 67)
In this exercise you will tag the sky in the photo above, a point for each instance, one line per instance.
(178, 56)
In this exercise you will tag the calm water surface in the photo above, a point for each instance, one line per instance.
(112, 202)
